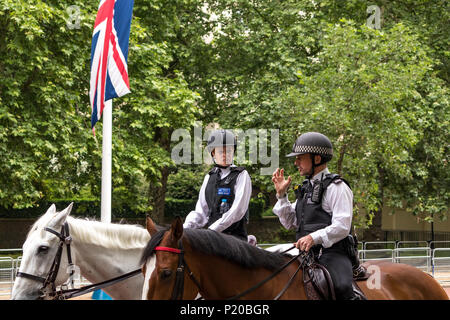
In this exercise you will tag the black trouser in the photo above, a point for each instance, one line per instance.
(338, 264)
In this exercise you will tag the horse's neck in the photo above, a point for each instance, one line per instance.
(98, 263)
(214, 269)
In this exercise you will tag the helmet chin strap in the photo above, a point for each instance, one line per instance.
(218, 165)
(313, 166)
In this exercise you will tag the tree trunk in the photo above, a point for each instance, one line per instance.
(157, 192)
(157, 197)
(375, 233)
(341, 159)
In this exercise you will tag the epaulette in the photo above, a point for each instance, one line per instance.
(336, 179)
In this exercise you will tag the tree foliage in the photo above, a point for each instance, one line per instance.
(295, 65)
(381, 95)
(46, 141)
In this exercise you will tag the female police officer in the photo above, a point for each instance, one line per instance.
(225, 193)
(322, 213)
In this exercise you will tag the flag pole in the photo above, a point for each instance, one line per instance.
(106, 163)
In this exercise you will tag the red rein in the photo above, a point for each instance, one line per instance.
(167, 249)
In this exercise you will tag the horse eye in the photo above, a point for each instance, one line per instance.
(42, 249)
(166, 274)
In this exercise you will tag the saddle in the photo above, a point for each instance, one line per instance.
(319, 285)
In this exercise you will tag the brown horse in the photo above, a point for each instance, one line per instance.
(219, 266)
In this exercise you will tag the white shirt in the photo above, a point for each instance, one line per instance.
(242, 193)
(337, 200)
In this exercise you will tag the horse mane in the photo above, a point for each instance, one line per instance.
(225, 246)
(112, 235)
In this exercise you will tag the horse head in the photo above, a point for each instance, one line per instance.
(166, 245)
(39, 251)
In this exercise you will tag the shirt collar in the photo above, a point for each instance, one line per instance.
(225, 171)
(318, 176)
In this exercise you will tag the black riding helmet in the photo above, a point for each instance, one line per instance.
(221, 138)
(313, 143)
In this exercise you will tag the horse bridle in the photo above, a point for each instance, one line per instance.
(64, 239)
(177, 293)
(178, 289)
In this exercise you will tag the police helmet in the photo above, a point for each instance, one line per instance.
(221, 138)
(313, 143)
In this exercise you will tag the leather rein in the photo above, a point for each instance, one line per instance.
(48, 283)
(177, 293)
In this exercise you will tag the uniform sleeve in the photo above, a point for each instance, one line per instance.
(286, 212)
(242, 192)
(338, 200)
(199, 217)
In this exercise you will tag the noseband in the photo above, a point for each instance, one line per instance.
(64, 239)
(178, 289)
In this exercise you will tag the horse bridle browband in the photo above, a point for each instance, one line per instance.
(64, 239)
(178, 289)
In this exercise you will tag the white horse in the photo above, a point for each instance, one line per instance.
(100, 251)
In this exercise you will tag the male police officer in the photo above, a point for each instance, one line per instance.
(225, 193)
(322, 213)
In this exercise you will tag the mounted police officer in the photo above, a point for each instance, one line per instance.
(323, 210)
(225, 193)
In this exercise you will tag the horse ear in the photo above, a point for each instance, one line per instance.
(51, 210)
(177, 228)
(150, 225)
(60, 217)
(68, 210)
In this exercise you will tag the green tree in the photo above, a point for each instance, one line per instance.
(47, 147)
(366, 94)
(273, 64)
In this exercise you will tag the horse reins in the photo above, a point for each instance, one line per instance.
(66, 239)
(178, 289)
(273, 275)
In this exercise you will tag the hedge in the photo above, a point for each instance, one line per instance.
(91, 209)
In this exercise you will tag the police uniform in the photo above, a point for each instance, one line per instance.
(328, 223)
(324, 213)
(232, 183)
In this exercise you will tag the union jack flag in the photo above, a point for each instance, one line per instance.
(109, 54)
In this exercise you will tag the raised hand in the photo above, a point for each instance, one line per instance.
(281, 184)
